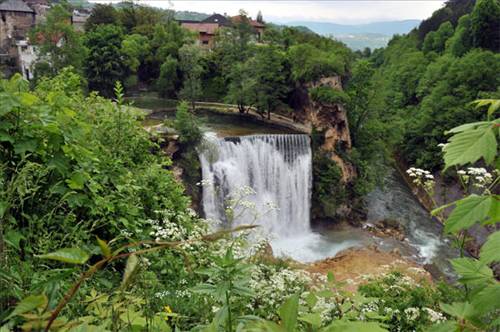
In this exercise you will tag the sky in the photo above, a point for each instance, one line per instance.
(344, 12)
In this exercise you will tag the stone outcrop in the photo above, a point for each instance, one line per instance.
(328, 119)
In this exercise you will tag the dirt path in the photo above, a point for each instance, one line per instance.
(355, 266)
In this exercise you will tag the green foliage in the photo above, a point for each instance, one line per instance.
(67, 255)
(241, 87)
(409, 306)
(478, 308)
(485, 25)
(72, 168)
(461, 41)
(101, 14)
(267, 69)
(310, 63)
(135, 47)
(59, 45)
(168, 81)
(190, 56)
(186, 124)
(104, 65)
(328, 194)
(327, 95)
(436, 40)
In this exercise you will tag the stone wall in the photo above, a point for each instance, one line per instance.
(14, 26)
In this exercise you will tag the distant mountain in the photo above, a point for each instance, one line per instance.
(359, 36)
(388, 28)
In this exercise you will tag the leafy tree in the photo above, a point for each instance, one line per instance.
(360, 90)
(310, 63)
(241, 87)
(461, 41)
(267, 68)
(185, 123)
(168, 81)
(105, 63)
(59, 44)
(134, 48)
(140, 19)
(485, 25)
(190, 56)
(101, 14)
(436, 40)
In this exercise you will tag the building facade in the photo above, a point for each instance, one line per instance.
(206, 30)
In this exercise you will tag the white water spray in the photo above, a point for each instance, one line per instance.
(279, 170)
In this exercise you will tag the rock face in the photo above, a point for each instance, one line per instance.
(330, 120)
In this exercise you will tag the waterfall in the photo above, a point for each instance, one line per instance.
(276, 167)
(259, 171)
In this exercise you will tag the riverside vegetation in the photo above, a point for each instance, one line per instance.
(96, 234)
(80, 170)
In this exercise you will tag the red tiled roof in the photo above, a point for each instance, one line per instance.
(255, 24)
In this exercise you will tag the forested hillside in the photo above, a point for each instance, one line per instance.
(424, 78)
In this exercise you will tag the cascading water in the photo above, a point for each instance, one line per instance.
(278, 169)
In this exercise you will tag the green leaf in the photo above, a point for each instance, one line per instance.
(460, 310)
(348, 326)
(494, 213)
(105, 249)
(288, 313)
(24, 146)
(468, 126)
(472, 270)
(76, 181)
(28, 304)
(469, 146)
(3, 207)
(67, 255)
(312, 318)
(13, 238)
(490, 251)
(494, 105)
(28, 98)
(487, 300)
(130, 269)
(467, 212)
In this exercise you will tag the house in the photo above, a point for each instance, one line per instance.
(206, 31)
(258, 27)
(207, 28)
(16, 20)
(78, 19)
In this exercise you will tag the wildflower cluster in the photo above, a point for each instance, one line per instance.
(422, 178)
(478, 177)
(407, 305)
(272, 285)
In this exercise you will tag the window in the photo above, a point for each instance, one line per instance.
(205, 42)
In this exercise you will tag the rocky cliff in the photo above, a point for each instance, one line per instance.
(327, 120)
